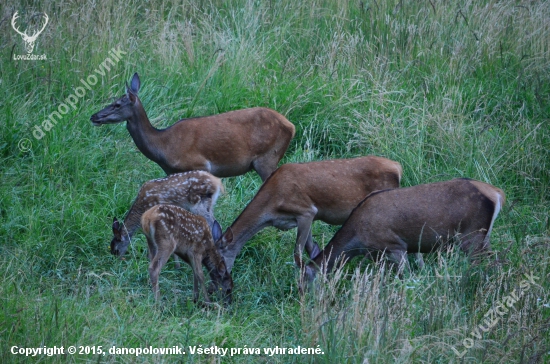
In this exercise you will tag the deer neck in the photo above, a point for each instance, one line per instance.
(132, 221)
(244, 228)
(146, 137)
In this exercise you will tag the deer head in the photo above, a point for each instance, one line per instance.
(122, 109)
(28, 39)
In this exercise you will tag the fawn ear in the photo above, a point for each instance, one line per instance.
(216, 231)
(116, 226)
(194, 198)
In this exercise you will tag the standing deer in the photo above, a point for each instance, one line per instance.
(172, 230)
(195, 191)
(225, 145)
(28, 39)
(296, 194)
(416, 219)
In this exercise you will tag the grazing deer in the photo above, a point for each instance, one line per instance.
(225, 145)
(416, 219)
(296, 194)
(29, 39)
(172, 230)
(195, 191)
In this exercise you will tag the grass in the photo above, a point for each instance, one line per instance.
(447, 90)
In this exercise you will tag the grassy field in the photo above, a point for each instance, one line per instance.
(447, 90)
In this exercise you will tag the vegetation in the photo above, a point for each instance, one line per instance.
(448, 90)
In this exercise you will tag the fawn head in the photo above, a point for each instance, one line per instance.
(120, 241)
(221, 277)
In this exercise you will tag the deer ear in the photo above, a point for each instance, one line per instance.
(315, 251)
(135, 84)
(131, 95)
(228, 236)
(216, 231)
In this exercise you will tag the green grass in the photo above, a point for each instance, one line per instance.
(446, 90)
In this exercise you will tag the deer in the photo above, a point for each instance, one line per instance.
(171, 230)
(418, 219)
(194, 191)
(28, 39)
(226, 145)
(297, 194)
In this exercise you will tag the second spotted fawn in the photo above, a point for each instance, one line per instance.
(172, 230)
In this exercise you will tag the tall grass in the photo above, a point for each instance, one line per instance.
(448, 90)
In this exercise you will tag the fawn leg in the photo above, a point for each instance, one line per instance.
(198, 280)
(154, 270)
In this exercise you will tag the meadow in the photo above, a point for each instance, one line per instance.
(447, 89)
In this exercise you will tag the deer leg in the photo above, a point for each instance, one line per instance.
(419, 260)
(304, 232)
(312, 248)
(399, 257)
(265, 165)
(475, 243)
(177, 262)
(198, 279)
(155, 266)
(152, 249)
(476, 247)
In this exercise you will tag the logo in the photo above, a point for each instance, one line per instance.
(29, 39)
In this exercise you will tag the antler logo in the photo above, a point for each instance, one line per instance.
(28, 39)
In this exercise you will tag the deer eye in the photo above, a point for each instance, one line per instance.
(116, 106)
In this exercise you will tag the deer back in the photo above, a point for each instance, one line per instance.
(334, 187)
(195, 191)
(417, 219)
(324, 190)
(175, 229)
(228, 144)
